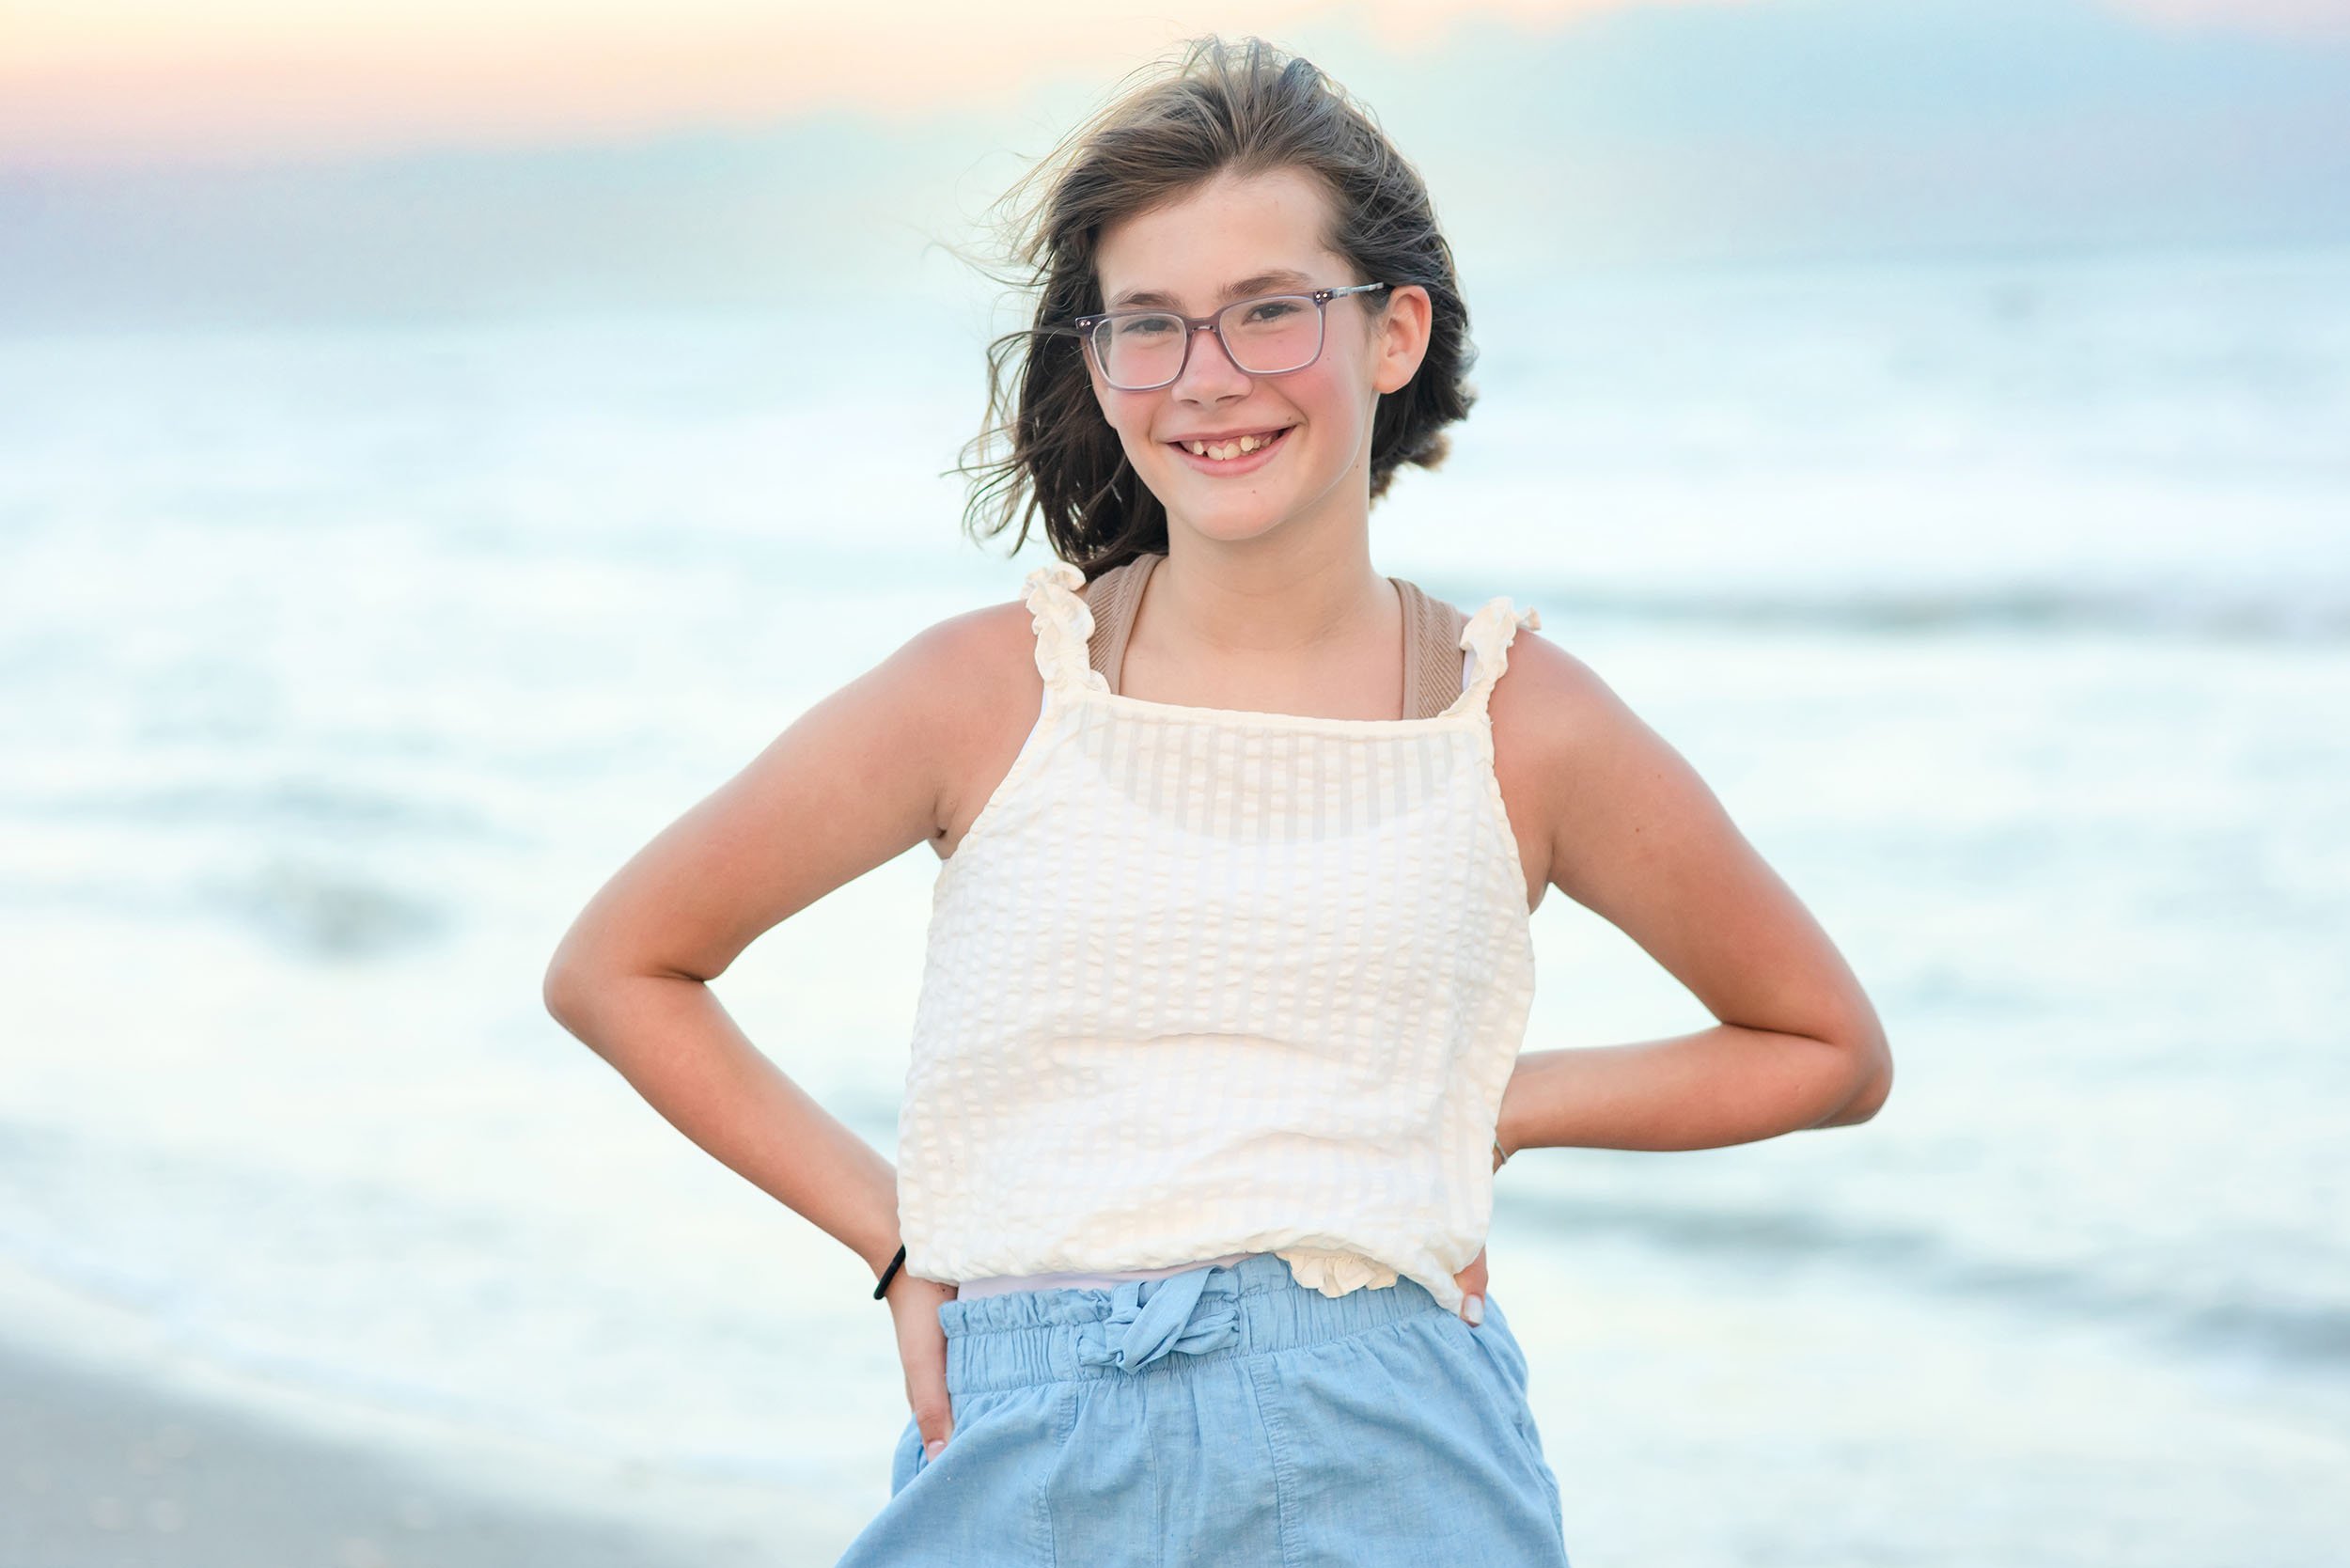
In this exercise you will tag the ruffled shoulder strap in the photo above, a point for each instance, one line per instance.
(1488, 635)
(1062, 623)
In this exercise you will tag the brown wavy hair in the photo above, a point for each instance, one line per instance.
(1247, 109)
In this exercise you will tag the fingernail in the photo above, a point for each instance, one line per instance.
(930, 1449)
(1473, 1308)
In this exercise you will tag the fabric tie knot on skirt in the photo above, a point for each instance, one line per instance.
(1194, 1311)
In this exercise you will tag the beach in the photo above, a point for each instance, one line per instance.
(121, 1457)
(106, 1472)
(2003, 603)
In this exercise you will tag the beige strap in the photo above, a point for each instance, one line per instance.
(1432, 651)
(1113, 598)
(1432, 635)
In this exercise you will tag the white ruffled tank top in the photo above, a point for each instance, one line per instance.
(1203, 981)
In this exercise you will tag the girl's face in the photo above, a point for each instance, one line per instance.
(1187, 257)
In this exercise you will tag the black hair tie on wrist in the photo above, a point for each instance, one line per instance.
(890, 1273)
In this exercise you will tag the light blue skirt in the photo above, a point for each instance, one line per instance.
(1226, 1414)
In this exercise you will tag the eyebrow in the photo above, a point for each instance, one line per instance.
(1279, 275)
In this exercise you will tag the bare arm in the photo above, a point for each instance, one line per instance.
(1640, 840)
(852, 783)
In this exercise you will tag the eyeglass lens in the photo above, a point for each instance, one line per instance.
(1266, 337)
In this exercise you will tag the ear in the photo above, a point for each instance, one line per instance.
(1402, 342)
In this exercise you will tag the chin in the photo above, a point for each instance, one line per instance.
(1232, 525)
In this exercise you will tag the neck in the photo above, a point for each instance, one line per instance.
(1261, 606)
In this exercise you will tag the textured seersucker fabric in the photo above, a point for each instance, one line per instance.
(1202, 980)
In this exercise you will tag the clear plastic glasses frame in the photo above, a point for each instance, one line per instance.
(1088, 330)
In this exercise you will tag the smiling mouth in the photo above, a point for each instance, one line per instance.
(1240, 447)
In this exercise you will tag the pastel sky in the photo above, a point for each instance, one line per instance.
(165, 161)
(101, 82)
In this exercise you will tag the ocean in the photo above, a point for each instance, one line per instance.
(2004, 602)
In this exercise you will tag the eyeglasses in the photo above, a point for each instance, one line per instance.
(1141, 350)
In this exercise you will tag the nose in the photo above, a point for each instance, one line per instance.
(1208, 371)
(1195, 1312)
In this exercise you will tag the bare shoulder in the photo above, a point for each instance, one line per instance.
(943, 686)
(1550, 712)
(986, 660)
(867, 772)
(1550, 706)
(1585, 774)
(976, 654)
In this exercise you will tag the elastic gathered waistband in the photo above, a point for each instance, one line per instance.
(1201, 1315)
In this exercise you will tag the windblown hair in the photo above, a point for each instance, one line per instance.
(1248, 110)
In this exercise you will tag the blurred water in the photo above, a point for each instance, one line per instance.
(2006, 605)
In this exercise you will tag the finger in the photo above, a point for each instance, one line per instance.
(1472, 1282)
(934, 1414)
(922, 1349)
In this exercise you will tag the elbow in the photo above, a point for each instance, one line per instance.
(1873, 1083)
(581, 988)
(566, 986)
(559, 990)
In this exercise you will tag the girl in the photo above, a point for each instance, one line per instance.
(1218, 1046)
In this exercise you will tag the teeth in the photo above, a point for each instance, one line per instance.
(1230, 448)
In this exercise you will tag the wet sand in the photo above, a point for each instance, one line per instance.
(99, 1469)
